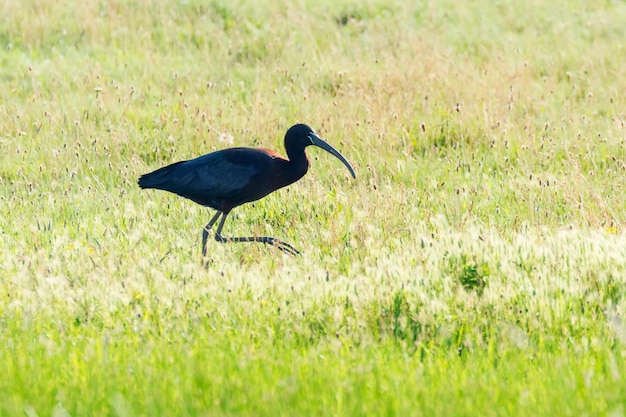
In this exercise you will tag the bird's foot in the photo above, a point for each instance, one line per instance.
(206, 263)
(205, 237)
(283, 246)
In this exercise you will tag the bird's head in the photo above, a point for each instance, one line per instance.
(300, 136)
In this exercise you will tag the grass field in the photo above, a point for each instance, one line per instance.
(476, 266)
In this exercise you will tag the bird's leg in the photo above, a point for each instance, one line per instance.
(285, 247)
(207, 228)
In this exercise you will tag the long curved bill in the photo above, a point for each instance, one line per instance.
(321, 143)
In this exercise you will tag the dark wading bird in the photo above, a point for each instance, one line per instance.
(228, 178)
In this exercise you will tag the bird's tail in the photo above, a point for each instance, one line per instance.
(159, 179)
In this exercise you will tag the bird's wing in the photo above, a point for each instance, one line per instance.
(220, 174)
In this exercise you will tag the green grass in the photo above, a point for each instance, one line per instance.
(476, 266)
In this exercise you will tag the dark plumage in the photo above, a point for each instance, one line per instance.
(228, 178)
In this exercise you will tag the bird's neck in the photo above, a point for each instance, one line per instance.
(295, 168)
(300, 167)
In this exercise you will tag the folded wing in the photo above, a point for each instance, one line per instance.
(218, 175)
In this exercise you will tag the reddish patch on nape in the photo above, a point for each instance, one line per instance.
(272, 153)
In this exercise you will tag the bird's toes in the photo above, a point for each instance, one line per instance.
(207, 263)
(286, 247)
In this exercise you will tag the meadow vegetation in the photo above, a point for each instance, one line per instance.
(476, 266)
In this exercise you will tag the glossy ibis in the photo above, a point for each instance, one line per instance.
(228, 178)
